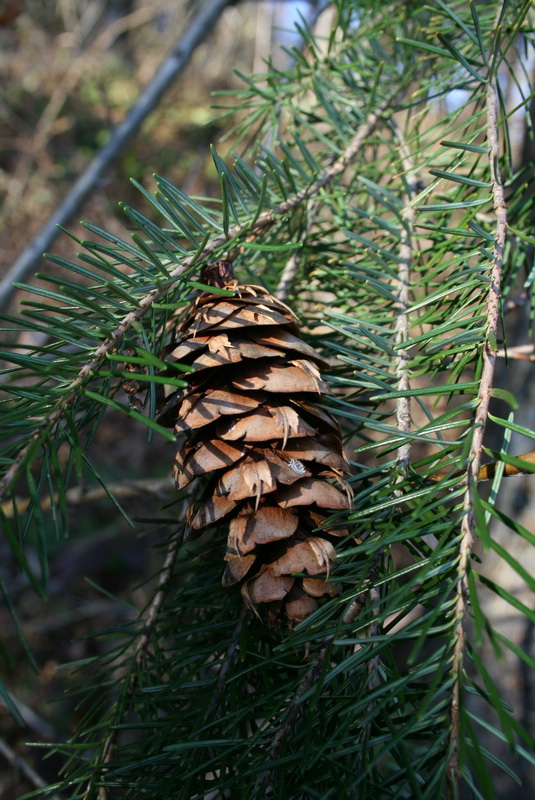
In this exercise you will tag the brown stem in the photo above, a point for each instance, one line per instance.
(403, 407)
(480, 418)
(488, 471)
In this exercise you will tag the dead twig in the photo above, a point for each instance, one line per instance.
(20, 764)
(488, 471)
(78, 495)
(523, 352)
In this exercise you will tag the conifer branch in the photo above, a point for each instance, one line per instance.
(403, 404)
(373, 667)
(294, 708)
(468, 526)
(288, 276)
(257, 734)
(147, 623)
(264, 220)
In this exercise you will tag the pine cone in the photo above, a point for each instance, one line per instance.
(273, 455)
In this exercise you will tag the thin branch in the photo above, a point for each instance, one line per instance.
(266, 219)
(403, 404)
(148, 621)
(403, 407)
(84, 494)
(488, 471)
(523, 352)
(225, 667)
(291, 268)
(179, 57)
(468, 526)
(289, 273)
(373, 669)
(19, 764)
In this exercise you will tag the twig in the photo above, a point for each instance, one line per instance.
(414, 613)
(19, 763)
(373, 667)
(403, 407)
(488, 471)
(523, 352)
(265, 220)
(403, 404)
(32, 720)
(174, 63)
(480, 419)
(291, 267)
(375, 600)
(81, 494)
(225, 667)
(148, 621)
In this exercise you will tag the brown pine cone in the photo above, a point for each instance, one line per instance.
(254, 422)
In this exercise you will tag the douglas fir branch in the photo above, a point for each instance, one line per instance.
(272, 455)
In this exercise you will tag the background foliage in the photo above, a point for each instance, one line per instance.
(374, 176)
